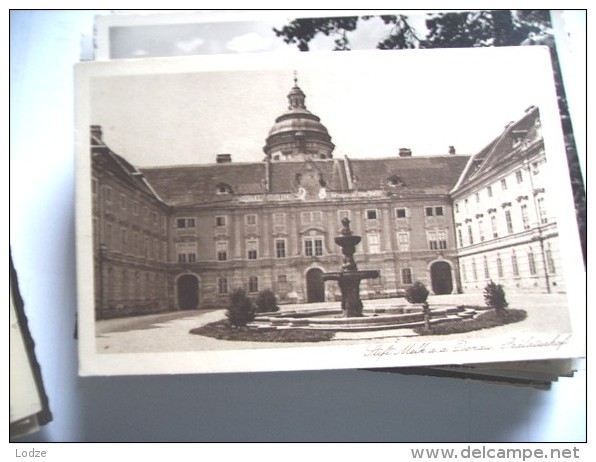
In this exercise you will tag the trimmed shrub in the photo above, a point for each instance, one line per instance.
(266, 302)
(417, 293)
(494, 296)
(240, 309)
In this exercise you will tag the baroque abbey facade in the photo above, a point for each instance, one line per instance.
(183, 237)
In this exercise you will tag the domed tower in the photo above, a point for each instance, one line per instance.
(298, 134)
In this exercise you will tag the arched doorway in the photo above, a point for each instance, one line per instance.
(315, 286)
(440, 275)
(187, 288)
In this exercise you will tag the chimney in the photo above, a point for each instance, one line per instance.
(452, 150)
(223, 158)
(96, 135)
(405, 152)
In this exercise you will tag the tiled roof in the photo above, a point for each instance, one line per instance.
(501, 148)
(199, 184)
(428, 174)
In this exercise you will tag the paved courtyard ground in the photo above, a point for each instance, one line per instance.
(169, 332)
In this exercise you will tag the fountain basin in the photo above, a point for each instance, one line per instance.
(371, 320)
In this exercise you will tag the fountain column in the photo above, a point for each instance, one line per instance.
(349, 277)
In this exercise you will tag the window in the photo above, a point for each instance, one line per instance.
(279, 222)
(514, 266)
(437, 240)
(280, 248)
(489, 191)
(486, 272)
(481, 230)
(308, 218)
(434, 211)
(135, 208)
(432, 240)
(123, 238)
(504, 184)
(222, 285)
(541, 210)
(477, 195)
(470, 235)
(550, 261)
(519, 176)
(318, 247)
(456, 207)
(182, 223)
(154, 215)
(221, 249)
(282, 283)
(108, 236)
(442, 238)
(474, 270)
(374, 244)
(313, 247)
(253, 284)
(371, 214)
(401, 212)
(464, 272)
(499, 266)
(524, 214)
(123, 201)
(509, 221)
(220, 221)
(531, 262)
(403, 241)
(460, 238)
(493, 225)
(251, 220)
(223, 188)
(186, 252)
(251, 249)
(406, 275)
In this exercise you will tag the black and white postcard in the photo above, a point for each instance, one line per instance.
(293, 211)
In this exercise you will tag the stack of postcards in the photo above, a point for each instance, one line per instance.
(242, 206)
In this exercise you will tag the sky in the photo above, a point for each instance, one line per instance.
(188, 110)
(422, 100)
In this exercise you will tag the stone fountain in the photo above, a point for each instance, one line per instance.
(349, 277)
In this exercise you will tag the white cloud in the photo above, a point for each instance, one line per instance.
(190, 46)
(248, 43)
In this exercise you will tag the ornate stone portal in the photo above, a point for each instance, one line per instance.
(349, 277)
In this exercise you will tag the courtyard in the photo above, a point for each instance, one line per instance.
(169, 332)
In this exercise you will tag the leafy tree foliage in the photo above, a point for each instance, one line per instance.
(482, 28)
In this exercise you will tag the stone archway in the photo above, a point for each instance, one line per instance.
(441, 279)
(187, 291)
(315, 286)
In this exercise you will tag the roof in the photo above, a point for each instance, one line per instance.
(428, 174)
(200, 184)
(502, 148)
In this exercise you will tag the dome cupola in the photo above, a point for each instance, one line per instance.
(298, 134)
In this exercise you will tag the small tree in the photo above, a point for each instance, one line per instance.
(240, 309)
(266, 302)
(494, 296)
(418, 293)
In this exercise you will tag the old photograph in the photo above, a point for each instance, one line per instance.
(324, 210)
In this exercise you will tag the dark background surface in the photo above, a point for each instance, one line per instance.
(341, 405)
